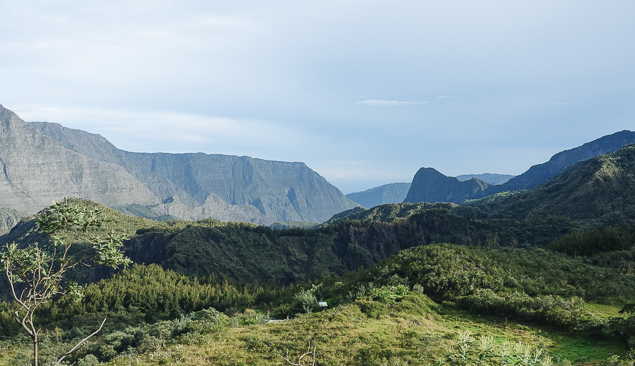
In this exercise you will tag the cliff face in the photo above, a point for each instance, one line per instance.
(46, 161)
(36, 171)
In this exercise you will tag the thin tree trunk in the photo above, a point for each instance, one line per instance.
(35, 344)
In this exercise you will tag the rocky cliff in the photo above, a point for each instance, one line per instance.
(36, 170)
(45, 161)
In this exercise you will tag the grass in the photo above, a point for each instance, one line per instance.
(346, 336)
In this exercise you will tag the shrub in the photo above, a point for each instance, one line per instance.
(372, 309)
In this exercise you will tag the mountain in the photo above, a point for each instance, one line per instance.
(540, 173)
(43, 162)
(600, 191)
(36, 171)
(594, 192)
(388, 193)
(488, 178)
(397, 192)
(428, 184)
(597, 192)
(9, 218)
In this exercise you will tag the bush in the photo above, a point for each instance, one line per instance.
(372, 309)
(305, 301)
(89, 360)
(390, 294)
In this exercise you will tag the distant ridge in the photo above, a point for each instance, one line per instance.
(601, 189)
(44, 161)
(431, 186)
(387, 193)
(488, 178)
(540, 173)
(592, 193)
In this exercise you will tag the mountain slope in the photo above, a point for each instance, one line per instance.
(433, 186)
(589, 194)
(600, 190)
(388, 193)
(188, 186)
(540, 173)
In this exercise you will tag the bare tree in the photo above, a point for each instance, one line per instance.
(299, 362)
(35, 272)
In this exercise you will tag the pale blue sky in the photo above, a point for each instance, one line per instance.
(363, 92)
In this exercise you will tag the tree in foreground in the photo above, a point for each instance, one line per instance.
(36, 272)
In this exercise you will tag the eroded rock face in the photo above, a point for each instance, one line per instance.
(42, 162)
(36, 171)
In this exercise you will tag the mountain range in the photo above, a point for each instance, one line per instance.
(592, 193)
(42, 162)
(397, 192)
(429, 185)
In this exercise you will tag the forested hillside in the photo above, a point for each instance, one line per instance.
(426, 304)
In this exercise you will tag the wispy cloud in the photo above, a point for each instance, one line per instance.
(171, 131)
(390, 103)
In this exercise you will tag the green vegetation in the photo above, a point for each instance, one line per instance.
(35, 273)
(532, 278)
(429, 304)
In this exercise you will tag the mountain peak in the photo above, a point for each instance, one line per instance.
(429, 185)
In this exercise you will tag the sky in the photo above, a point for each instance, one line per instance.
(363, 92)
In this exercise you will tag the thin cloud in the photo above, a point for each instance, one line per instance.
(389, 103)
(171, 131)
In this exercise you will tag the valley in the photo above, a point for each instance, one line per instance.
(540, 274)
